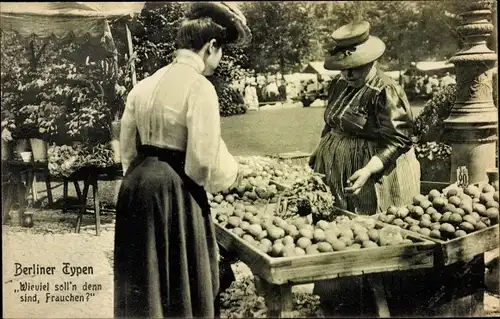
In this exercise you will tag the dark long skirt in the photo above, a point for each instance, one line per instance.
(165, 261)
(338, 156)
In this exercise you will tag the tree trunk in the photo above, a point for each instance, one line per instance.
(282, 63)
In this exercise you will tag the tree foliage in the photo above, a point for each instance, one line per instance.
(154, 33)
(290, 33)
(411, 30)
(57, 88)
(281, 34)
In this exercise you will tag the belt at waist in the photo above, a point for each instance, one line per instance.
(177, 159)
(174, 158)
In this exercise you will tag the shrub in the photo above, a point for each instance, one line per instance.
(429, 125)
(230, 100)
(432, 151)
(58, 89)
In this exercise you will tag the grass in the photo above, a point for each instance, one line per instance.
(277, 130)
(273, 131)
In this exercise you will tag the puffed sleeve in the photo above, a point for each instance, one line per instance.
(395, 124)
(128, 133)
(331, 95)
(208, 161)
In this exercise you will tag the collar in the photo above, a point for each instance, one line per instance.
(190, 58)
(371, 74)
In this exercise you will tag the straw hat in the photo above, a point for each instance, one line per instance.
(353, 46)
(227, 15)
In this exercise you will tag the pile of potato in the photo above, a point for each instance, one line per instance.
(451, 213)
(278, 237)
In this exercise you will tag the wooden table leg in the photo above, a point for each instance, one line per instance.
(97, 206)
(27, 190)
(34, 188)
(31, 178)
(65, 195)
(8, 198)
(77, 189)
(49, 189)
(83, 202)
(377, 287)
(278, 299)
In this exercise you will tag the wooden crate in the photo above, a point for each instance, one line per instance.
(311, 268)
(427, 186)
(465, 248)
(296, 157)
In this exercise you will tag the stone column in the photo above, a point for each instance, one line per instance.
(471, 128)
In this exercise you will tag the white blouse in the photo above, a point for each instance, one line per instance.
(178, 108)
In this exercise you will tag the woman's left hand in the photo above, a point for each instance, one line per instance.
(357, 181)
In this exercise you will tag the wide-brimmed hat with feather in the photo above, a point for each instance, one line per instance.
(353, 46)
(227, 15)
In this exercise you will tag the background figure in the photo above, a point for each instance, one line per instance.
(272, 92)
(251, 98)
(291, 91)
(447, 80)
(260, 92)
(282, 89)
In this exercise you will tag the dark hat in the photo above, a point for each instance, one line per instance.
(227, 15)
(353, 46)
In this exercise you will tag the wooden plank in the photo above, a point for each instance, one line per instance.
(292, 155)
(310, 268)
(427, 186)
(465, 248)
(252, 257)
(324, 266)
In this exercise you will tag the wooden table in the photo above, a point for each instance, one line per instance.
(276, 276)
(90, 175)
(431, 278)
(18, 169)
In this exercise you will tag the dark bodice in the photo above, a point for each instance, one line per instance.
(378, 111)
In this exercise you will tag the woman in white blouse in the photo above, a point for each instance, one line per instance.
(165, 248)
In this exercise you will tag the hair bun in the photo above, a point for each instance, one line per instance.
(225, 14)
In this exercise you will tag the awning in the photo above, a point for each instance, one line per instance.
(316, 67)
(434, 66)
(45, 19)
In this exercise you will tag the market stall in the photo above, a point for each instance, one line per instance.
(317, 67)
(280, 222)
(434, 67)
(48, 23)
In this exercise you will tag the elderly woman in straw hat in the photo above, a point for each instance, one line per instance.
(365, 150)
(166, 261)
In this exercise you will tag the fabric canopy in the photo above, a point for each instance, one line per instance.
(434, 66)
(45, 19)
(317, 67)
